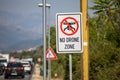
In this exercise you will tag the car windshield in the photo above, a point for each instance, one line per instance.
(14, 64)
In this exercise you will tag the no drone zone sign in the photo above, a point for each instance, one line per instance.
(69, 35)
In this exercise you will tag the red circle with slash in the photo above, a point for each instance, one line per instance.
(65, 20)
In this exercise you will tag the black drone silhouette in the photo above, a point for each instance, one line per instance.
(68, 27)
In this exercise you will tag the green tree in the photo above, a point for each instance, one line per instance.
(108, 12)
(104, 40)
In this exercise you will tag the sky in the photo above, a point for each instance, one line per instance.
(21, 20)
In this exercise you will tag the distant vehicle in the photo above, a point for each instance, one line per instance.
(30, 59)
(14, 69)
(2, 67)
(32, 66)
(4, 58)
(27, 67)
(3, 61)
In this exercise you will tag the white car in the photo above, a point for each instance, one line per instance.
(27, 67)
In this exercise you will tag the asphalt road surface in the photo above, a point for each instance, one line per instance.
(27, 77)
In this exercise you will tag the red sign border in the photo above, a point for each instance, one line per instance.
(55, 57)
(69, 25)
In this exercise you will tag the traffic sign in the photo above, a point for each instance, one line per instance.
(72, 30)
(69, 35)
(50, 54)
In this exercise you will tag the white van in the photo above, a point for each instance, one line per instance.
(3, 61)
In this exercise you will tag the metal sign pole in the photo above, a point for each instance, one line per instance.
(70, 66)
(49, 62)
(44, 33)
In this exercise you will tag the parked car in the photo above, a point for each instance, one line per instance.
(2, 67)
(14, 69)
(27, 67)
(32, 65)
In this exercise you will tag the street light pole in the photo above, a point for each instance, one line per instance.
(44, 40)
(44, 5)
(49, 62)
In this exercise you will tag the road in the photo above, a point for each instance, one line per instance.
(27, 77)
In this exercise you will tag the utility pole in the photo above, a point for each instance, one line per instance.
(85, 55)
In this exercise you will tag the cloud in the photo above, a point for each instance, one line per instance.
(10, 23)
(14, 28)
(23, 7)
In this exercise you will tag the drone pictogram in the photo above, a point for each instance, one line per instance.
(69, 25)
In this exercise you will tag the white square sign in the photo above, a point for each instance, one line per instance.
(69, 35)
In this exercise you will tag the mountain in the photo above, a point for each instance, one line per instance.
(22, 45)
